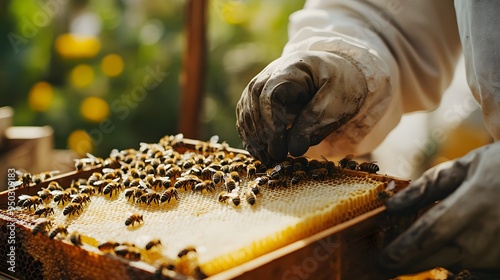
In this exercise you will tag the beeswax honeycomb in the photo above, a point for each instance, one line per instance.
(223, 234)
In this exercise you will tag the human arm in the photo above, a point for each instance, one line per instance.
(461, 232)
(406, 61)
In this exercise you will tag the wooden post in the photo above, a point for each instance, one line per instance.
(192, 75)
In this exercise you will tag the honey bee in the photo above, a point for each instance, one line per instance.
(298, 176)
(286, 167)
(186, 182)
(58, 230)
(195, 170)
(207, 185)
(177, 141)
(173, 172)
(42, 226)
(261, 181)
(111, 188)
(139, 164)
(28, 201)
(319, 173)
(239, 158)
(188, 164)
(251, 171)
(207, 173)
(154, 162)
(329, 165)
(86, 189)
(261, 168)
(134, 172)
(62, 197)
(93, 160)
(25, 178)
(127, 182)
(116, 155)
(71, 190)
(274, 184)
(149, 169)
(37, 179)
(369, 167)
(250, 197)
(274, 173)
(235, 176)
(108, 246)
(218, 178)
(343, 162)
(134, 218)
(151, 180)
(225, 196)
(44, 211)
(352, 165)
(161, 170)
(169, 194)
(76, 239)
(128, 252)
(153, 243)
(54, 186)
(220, 155)
(149, 197)
(186, 251)
(255, 188)
(47, 175)
(108, 173)
(45, 194)
(201, 147)
(230, 184)
(133, 192)
(165, 270)
(238, 167)
(96, 176)
(72, 209)
(81, 199)
(80, 164)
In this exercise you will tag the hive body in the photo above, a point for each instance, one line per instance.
(224, 235)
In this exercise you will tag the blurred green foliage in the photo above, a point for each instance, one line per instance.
(243, 37)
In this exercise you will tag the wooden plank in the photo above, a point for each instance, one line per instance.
(193, 72)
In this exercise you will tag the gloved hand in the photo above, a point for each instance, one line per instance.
(296, 101)
(460, 232)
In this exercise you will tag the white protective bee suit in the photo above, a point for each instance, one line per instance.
(348, 73)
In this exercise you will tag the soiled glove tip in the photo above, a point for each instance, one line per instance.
(298, 145)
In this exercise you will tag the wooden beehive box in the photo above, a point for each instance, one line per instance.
(347, 250)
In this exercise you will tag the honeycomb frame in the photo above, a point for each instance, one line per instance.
(24, 227)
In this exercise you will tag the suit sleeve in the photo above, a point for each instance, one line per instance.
(406, 49)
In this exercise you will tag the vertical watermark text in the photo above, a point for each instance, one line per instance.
(11, 227)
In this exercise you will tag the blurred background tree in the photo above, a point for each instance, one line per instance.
(105, 74)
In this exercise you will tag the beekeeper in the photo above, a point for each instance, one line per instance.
(348, 73)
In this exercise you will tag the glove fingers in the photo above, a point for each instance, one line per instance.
(432, 233)
(277, 103)
(435, 184)
(331, 107)
(248, 121)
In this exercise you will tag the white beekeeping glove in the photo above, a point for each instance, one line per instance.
(462, 231)
(301, 98)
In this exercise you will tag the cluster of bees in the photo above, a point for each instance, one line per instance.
(157, 173)
(73, 199)
(47, 227)
(186, 261)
